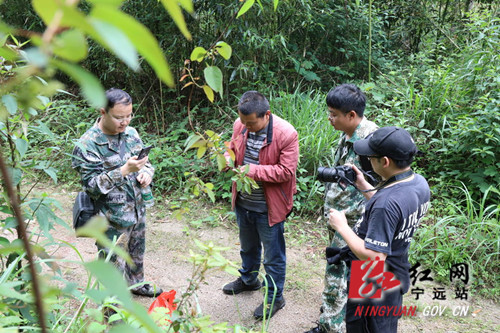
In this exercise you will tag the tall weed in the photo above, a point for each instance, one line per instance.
(468, 233)
(306, 111)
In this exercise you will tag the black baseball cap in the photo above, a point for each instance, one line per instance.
(393, 142)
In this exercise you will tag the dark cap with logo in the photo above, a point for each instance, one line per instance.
(393, 142)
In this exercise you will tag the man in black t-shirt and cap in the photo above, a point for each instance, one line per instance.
(393, 212)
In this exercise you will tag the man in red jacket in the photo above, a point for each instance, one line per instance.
(268, 146)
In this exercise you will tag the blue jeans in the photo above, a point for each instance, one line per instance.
(256, 233)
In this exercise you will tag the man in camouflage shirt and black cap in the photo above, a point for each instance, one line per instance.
(112, 175)
(346, 104)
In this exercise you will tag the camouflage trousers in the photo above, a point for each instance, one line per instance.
(133, 240)
(332, 318)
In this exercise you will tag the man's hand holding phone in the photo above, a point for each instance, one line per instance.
(144, 152)
(136, 163)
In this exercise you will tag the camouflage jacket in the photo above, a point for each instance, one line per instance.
(350, 199)
(96, 157)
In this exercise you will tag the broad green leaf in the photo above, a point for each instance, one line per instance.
(11, 248)
(191, 141)
(98, 296)
(8, 54)
(175, 12)
(52, 172)
(7, 290)
(210, 194)
(115, 3)
(122, 328)
(21, 146)
(117, 42)
(96, 228)
(89, 84)
(213, 76)
(209, 92)
(276, 2)
(109, 277)
(142, 316)
(15, 175)
(35, 57)
(71, 17)
(248, 4)
(71, 45)
(45, 102)
(221, 162)
(4, 31)
(10, 103)
(198, 54)
(143, 40)
(224, 50)
(201, 151)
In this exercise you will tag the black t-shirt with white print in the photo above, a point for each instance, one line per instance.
(391, 217)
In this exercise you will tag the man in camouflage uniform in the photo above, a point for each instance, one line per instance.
(106, 158)
(346, 104)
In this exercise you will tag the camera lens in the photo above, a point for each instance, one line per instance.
(326, 174)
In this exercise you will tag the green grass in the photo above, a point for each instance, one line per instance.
(470, 234)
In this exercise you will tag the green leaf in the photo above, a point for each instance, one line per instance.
(213, 76)
(7, 290)
(276, 2)
(122, 328)
(36, 57)
(224, 50)
(191, 141)
(210, 194)
(221, 162)
(15, 175)
(8, 54)
(115, 3)
(117, 42)
(10, 103)
(143, 40)
(111, 279)
(71, 17)
(21, 146)
(209, 93)
(52, 172)
(201, 151)
(248, 4)
(90, 85)
(175, 12)
(198, 54)
(96, 228)
(71, 45)
(98, 296)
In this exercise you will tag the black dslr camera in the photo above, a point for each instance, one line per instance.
(344, 175)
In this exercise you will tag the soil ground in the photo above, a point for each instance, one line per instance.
(166, 264)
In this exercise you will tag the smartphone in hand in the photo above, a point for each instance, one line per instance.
(144, 152)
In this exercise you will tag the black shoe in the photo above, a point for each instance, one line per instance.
(147, 290)
(237, 286)
(317, 329)
(259, 312)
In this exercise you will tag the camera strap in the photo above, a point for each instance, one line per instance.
(393, 179)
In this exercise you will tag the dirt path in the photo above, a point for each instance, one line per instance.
(166, 264)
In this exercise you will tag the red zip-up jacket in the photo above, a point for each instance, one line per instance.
(278, 160)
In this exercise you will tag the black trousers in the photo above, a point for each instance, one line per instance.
(373, 316)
